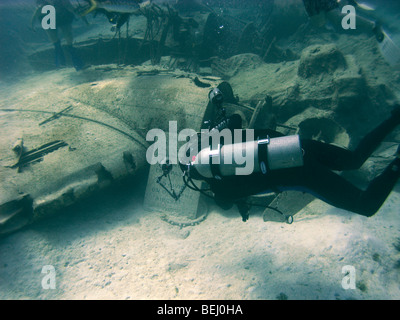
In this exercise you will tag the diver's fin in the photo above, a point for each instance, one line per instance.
(93, 7)
(287, 203)
(76, 59)
(389, 50)
(363, 6)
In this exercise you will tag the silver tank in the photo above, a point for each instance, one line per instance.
(282, 152)
(285, 152)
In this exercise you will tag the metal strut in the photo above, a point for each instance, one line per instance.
(166, 168)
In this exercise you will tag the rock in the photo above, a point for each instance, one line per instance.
(319, 125)
(236, 64)
(173, 267)
(324, 79)
(320, 59)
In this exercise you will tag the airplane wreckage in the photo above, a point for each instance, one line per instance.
(66, 134)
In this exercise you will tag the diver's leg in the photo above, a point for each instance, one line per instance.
(331, 156)
(52, 35)
(321, 182)
(67, 33)
(375, 137)
(378, 190)
(337, 191)
(76, 59)
(59, 58)
(337, 158)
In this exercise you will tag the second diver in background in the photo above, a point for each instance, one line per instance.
(65, 14)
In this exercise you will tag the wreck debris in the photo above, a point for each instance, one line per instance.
(185, 223)
(15, 213)
(18, 148)
(153, 72)
(260, 113)
(82, 118)
(166, 169)
(37, 154)
(55, 116)
(248, 39)
(160, 22)
(201, 84)
(104, 130)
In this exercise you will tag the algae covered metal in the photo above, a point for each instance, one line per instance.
(62, 141)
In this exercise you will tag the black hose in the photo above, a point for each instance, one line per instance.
(202, 191)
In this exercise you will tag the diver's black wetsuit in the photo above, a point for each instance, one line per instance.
(63, 15)
(316, 176)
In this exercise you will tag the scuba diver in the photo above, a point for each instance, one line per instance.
(321, 11)
(64, 17)
(284, 163)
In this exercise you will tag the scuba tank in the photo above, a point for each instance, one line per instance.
(268, 154)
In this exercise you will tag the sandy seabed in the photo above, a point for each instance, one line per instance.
(110, 248)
